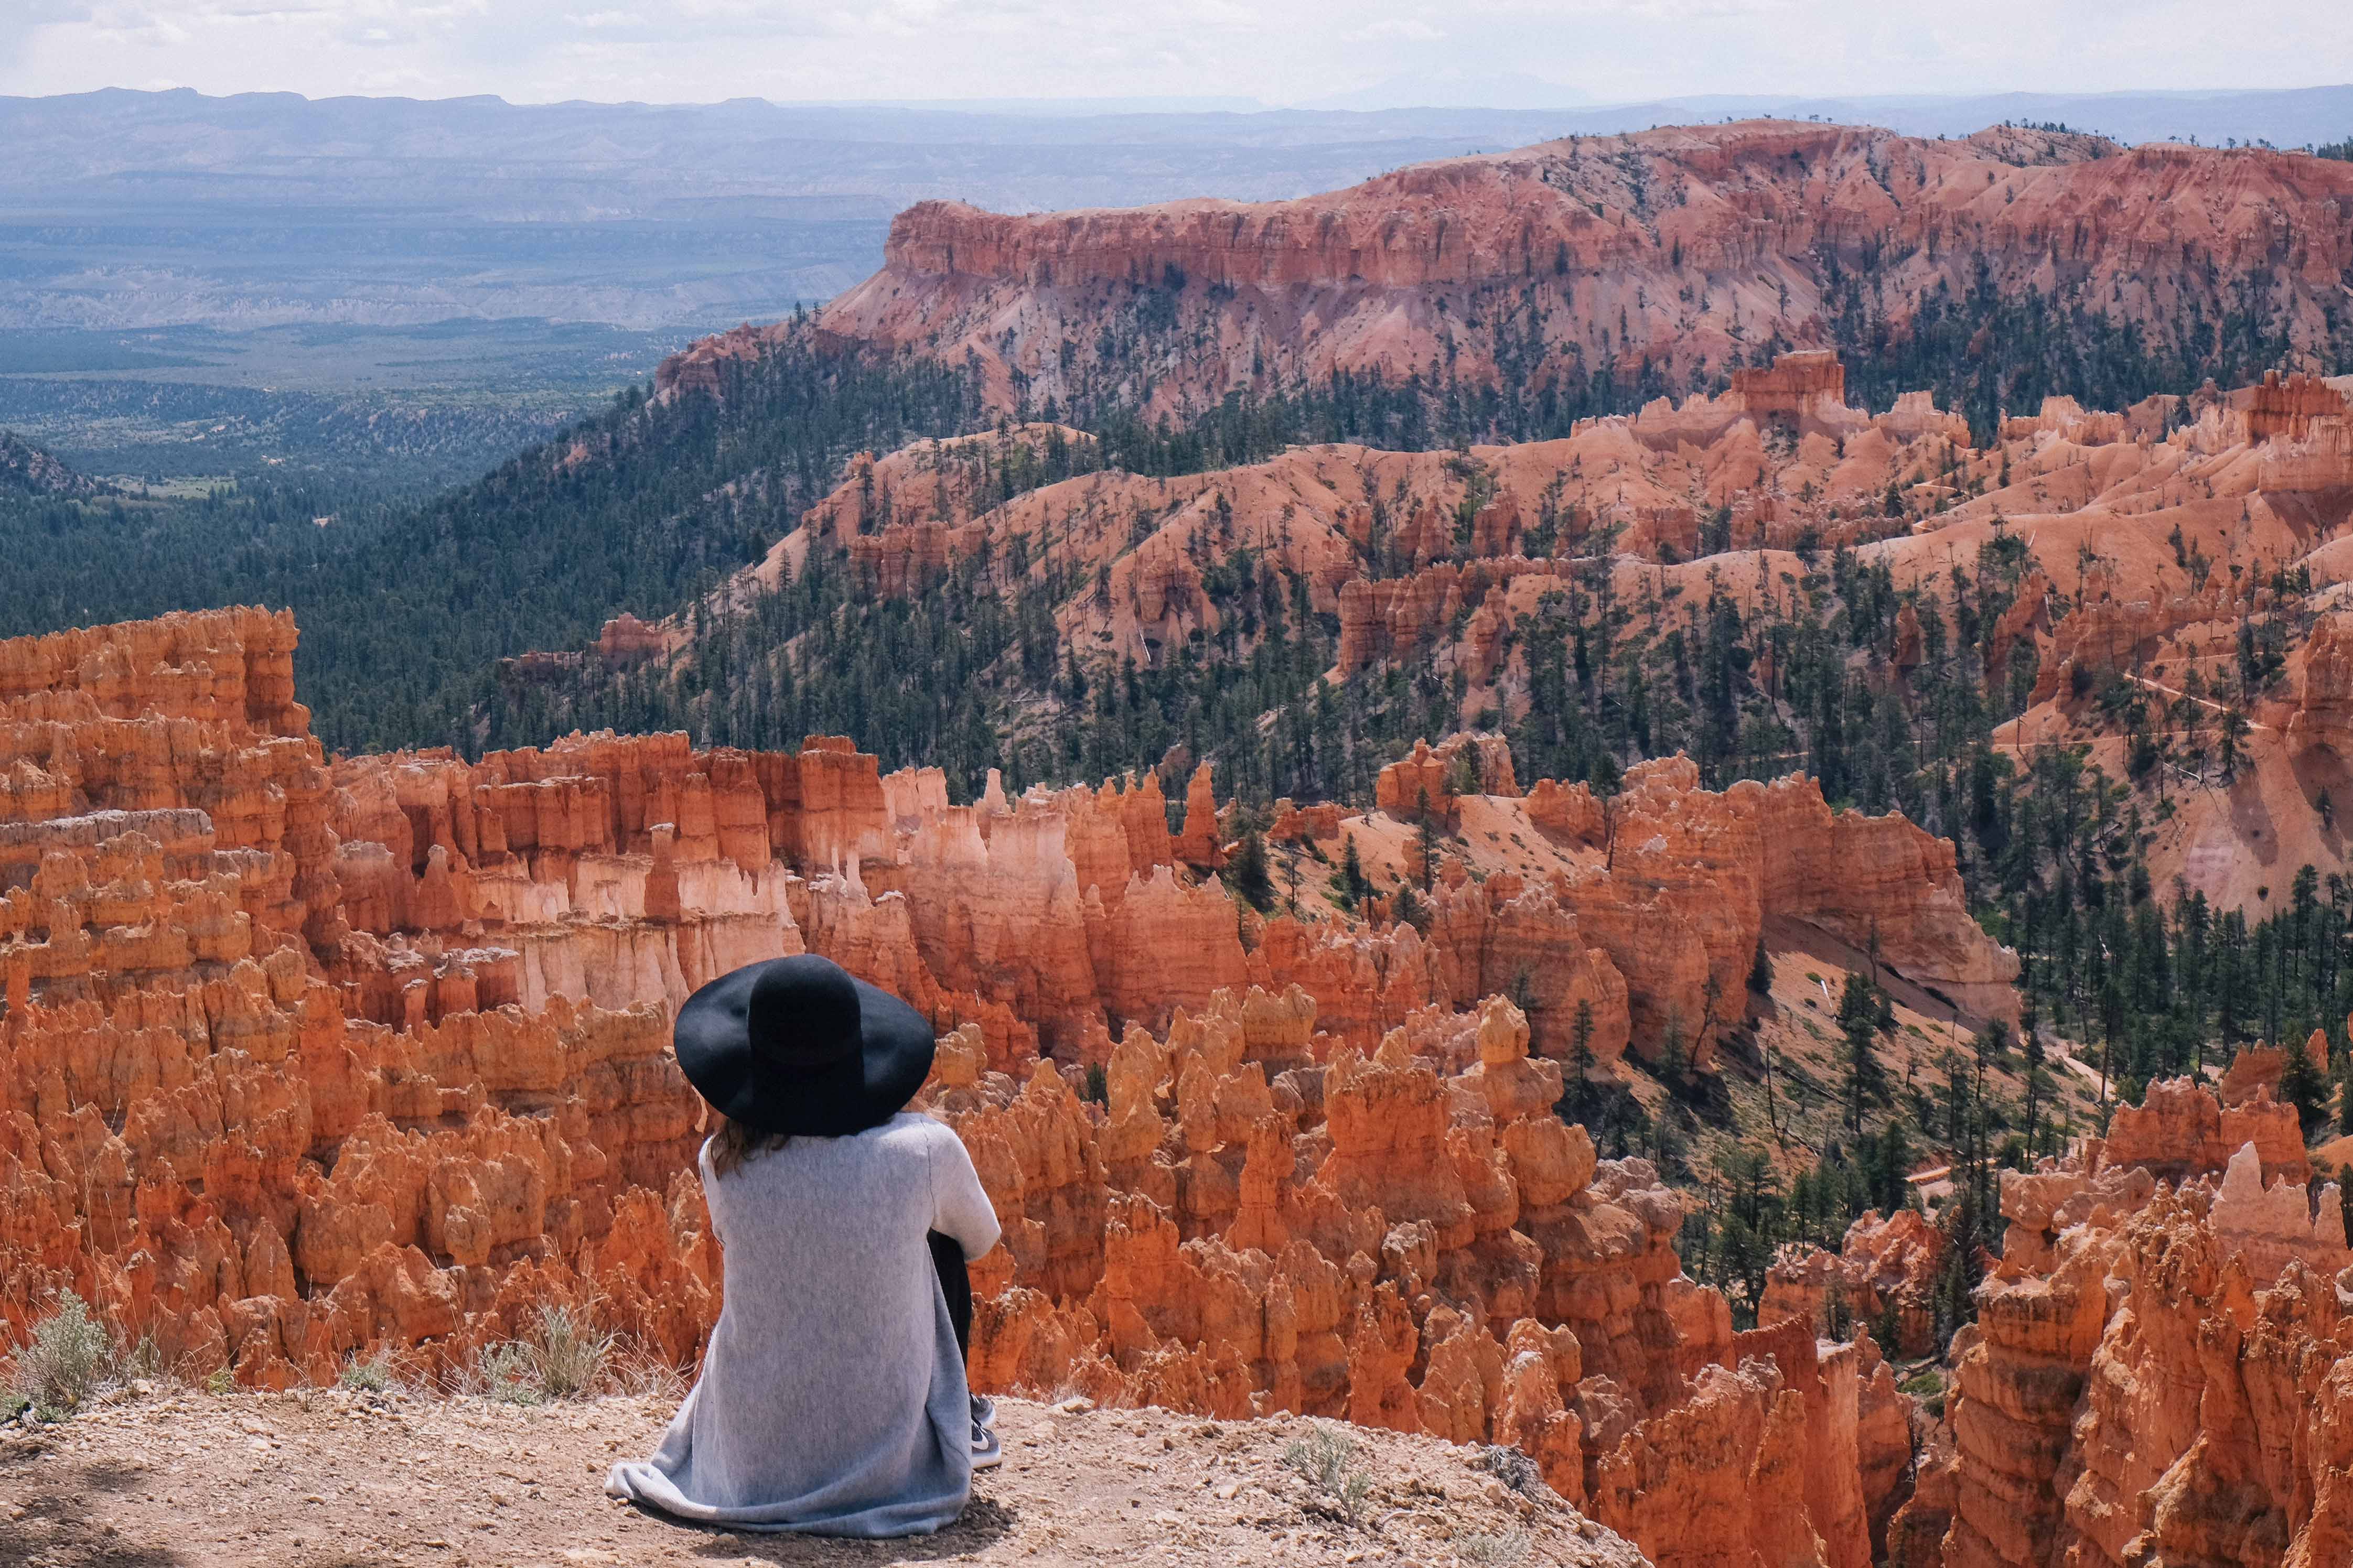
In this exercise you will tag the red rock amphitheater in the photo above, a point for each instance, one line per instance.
(305, 1059)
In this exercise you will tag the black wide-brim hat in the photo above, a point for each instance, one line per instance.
(800, 1045)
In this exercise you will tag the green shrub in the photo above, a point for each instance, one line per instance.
(372, 1375)
(1498, 1551)
(70, 1357)
(1326, 1458)
(561, 1355)
(504, 1372)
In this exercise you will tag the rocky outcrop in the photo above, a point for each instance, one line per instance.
(2180, 1130)
(2157, 1372)
(2324, 705)
(1800, 387)
(1882, 1266)
(1470, 764)
(1409, 1246)
(1685, 876)
(1625, 244)
(2291, 407)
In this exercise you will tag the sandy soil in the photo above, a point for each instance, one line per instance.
(341, 1479)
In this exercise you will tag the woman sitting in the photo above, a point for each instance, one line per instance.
(832, 1399)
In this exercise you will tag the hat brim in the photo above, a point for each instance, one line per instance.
(862, 1091)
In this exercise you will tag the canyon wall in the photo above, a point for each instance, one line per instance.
(1670, 248)
(2161, 1366)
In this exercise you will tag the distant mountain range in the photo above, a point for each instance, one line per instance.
(135, 209)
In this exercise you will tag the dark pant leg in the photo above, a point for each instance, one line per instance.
(955, 1284)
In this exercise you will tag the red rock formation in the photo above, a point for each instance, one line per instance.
(627, 640)
(1433, 774)
(2324, 706)
(2290, 407)
(1622, 276)
(1201, 842)
(1679, 893)
(2155, 1375)
(1897, 1261)
(304, 1061)
(1429, 1252)
(2180, 1130)
(1797, 386)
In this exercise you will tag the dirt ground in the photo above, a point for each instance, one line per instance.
(343, 1480)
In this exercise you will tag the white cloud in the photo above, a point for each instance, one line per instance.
(1280, 50)
(1412, 29)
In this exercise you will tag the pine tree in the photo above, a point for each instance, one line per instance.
(1251, 881)
(1889, 1330)
(1426, 840)
(1963, 1227)
(1858, 1021)
(1892, 1167)
(1760, 970)
(1838, 1312)
(2302, 1085)
(2345, 1089)
(1351, 876)
(1674, 1060)
(2030, 1040)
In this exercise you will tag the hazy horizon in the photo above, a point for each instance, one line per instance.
(1295, 54)
(1199, 104)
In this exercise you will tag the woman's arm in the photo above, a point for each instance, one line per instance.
(960, 1206)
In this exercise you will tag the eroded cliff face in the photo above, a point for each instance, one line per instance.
(235, 1118)
(303, 1060)
(1666, 249)
(2158, 1371)
(1409, 1239)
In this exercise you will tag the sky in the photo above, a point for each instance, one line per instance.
(1278, 51)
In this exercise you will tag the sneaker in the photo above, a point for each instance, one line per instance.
(988, 1452)
(983, 1411)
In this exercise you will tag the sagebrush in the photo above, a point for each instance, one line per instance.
(71, 1358)
(562, 1355)
(1326, 1457)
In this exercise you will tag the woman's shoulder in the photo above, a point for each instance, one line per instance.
(913, 1128)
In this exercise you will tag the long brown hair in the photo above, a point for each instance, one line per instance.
(732, 1143)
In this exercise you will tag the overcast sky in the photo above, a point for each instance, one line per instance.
(1282, 51)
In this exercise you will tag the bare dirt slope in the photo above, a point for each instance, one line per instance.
(344, 1479)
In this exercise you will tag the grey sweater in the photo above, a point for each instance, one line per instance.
(832, 1400)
